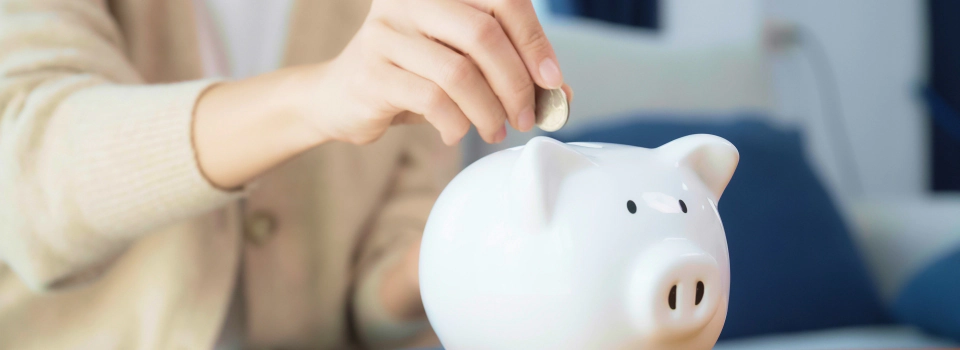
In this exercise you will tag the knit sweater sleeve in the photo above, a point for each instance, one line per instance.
(91, 158)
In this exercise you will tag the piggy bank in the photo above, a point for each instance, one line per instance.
(581, 246)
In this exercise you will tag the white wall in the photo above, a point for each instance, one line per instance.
(875, 48)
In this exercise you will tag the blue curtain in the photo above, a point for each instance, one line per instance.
(943, 93)
(637, 13)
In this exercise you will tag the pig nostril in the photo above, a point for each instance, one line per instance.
(699, 293)
(672, 298)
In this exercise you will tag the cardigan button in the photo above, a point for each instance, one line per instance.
(259, 227)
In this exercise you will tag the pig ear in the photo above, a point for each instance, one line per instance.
(536, 178)
(712, 158)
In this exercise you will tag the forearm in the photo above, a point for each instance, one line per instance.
(243, 128)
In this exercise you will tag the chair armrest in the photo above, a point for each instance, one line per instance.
(900, 236)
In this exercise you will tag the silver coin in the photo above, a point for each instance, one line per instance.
(552, 109)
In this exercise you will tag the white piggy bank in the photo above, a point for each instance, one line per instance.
(581, 246)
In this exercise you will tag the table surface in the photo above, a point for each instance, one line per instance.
(866, 337)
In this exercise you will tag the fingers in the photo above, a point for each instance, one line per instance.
(569, 91)
(407, 91)
(408, 117)
(481, 38)
(519, 21)
(457, 75)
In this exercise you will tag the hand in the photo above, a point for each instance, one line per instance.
(455, 63)
(451, 63)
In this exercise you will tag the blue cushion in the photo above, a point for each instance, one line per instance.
(794, 266)
(931, 299)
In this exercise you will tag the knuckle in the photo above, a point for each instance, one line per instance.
(457, 70)
(485, 30)
(433, 99)
(534, 40)
(522, 86)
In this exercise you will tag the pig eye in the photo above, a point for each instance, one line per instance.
(683, 206)
(631, 207)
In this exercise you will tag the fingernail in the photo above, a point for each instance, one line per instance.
(550, 72)
(502, 134)
(526, 119)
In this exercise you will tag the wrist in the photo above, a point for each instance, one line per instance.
(295, 95)
(306, 94)
(243, 128)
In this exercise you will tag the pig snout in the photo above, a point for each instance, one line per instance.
(674, 290)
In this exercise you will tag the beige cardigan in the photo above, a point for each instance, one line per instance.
(110, 237)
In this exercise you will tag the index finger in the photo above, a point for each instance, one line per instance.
(519, 21)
